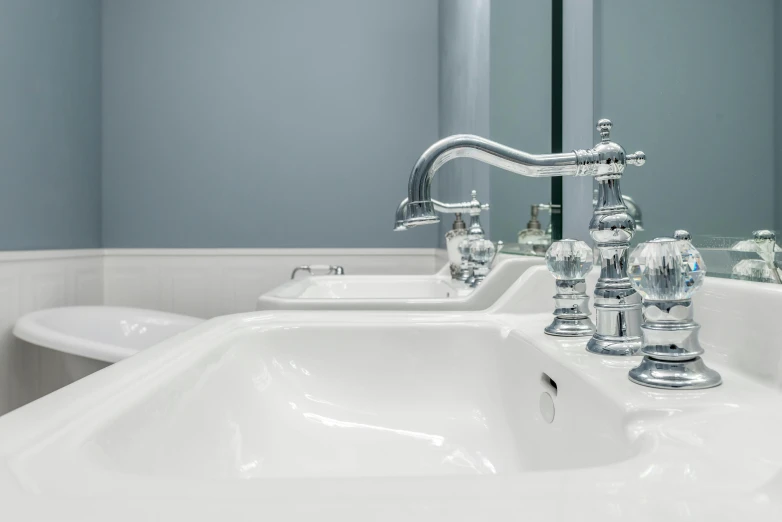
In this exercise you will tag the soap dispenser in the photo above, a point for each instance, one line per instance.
(453, 238)
(534, 238)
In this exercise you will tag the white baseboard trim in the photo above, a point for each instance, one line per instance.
(284, 252)
(43, 255)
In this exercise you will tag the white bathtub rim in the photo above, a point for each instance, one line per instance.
(30, 329)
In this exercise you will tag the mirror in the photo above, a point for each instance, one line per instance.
(521, 116)
(496, 81)
(696, 85)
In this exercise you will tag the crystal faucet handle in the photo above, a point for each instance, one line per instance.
(464, 248)
(766, 241)
(482, 251)
(569, 259)
(666, 269)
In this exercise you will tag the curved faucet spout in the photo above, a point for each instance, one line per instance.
(605, 161)
(421, 211)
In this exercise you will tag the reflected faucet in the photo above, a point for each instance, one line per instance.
(439, 206)
(766, 269)
(461, 265)
(617, 304)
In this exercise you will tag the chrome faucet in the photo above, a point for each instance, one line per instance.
(632, 208)
(617, 304)
(461, 264)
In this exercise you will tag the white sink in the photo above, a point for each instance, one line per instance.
(398, 416)
(415, 403)
(369, 292)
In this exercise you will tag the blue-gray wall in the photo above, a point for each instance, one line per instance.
(778, 115)
(50, 124)
(692, 84)
(247, 123)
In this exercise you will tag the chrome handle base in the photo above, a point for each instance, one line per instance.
(571, 316)
(671, 350)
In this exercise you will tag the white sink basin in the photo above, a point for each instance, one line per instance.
(366, 292)
(407, 416)
(409, 405)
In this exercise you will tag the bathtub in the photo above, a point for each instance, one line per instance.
(75, 341)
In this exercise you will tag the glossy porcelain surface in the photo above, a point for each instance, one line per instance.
(103, 333)
(395, 416)
(380, 287)
(366, 292)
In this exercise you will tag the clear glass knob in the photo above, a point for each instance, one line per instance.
(666, 269)
(766, 244)
(464, 248)
(569, 259)
(482, 251)
(753, 270)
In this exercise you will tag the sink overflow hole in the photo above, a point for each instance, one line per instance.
(549, 383)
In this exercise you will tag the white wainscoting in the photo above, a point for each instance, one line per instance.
(200, 282)
(210, 282)
(31, 281)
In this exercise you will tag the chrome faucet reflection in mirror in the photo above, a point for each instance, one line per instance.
(617, 304)
(460, 264)
(765, 268)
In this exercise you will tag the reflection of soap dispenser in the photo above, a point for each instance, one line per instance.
(534, 237)
(453, 237)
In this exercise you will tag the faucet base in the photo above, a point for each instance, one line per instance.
(614, 346)
(679, 375)
(570, 327)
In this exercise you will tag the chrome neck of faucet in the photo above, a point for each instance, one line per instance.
(618, 314)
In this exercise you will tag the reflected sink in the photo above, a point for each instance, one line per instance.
(398, 292)
(379, 287)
